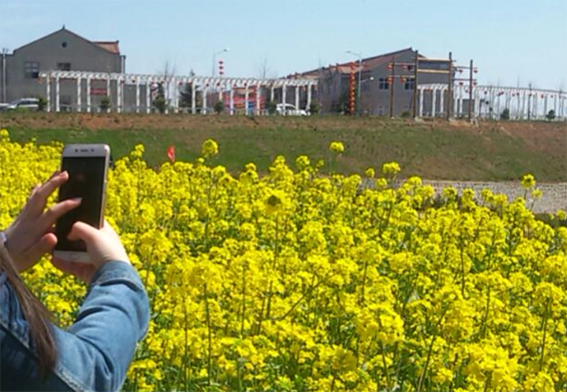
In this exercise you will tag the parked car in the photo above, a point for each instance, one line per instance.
(31, 104)
(287, 109)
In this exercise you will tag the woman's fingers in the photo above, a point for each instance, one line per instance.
(39, 196)
(58, 210)
(31, 255)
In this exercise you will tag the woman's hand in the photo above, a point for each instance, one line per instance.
(30, 236)
(103, 245)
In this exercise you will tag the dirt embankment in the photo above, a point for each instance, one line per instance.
(487, 150)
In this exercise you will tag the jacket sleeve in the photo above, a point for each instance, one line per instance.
(96, 351)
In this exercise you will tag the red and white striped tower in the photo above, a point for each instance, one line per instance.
(221, 73)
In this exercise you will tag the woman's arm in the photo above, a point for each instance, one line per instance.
(96, 351)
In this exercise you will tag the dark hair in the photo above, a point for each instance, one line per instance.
(35, 313)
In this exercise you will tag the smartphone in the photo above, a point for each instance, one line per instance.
(87, 165)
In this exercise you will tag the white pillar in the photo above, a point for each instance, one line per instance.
(246, 98)
(167, 94)
(57, 94)
(78, 93)
(119, 88)
(193, 97)
(149, 95)
(88, 92)
(433, 102)
(272, 93)
(477, 102)
(258, 94)
(48, 92)
(442, 100)
(459, 101)
(284, 90)
(524, 105)
(179, 85)
(137, 95)
(108, 93)
(419, 111)
(308, 108)
(204, 106)
(297, 97)
(231, 100)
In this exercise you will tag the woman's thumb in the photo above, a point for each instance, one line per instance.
(82, 231)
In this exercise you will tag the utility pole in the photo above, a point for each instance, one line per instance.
(391, 85)
(4, 53)
(415, 71)
(359, 55)
(470, 90)
(450, 87)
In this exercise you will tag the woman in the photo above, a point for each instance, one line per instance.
(95, 352)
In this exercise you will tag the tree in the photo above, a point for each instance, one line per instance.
(160, 102)
(550, 115)
(271, 106)
(265, 71)
(341, 106)
(104, 104)
(218, 107)
(505, 115)
(186, 94)
(314, 108)
(41, 103)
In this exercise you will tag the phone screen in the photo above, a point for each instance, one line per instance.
(86, 180)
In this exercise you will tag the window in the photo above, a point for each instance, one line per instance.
(409, 84)
(31, 69)
(63, 66)
(383, 84)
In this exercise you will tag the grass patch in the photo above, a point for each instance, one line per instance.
(432, 150)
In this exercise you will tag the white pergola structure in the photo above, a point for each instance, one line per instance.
(83, 81)
(489, 101)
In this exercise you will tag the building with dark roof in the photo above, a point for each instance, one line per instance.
(61, 50)
(378, 76)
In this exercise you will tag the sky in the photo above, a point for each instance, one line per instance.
(512, 42)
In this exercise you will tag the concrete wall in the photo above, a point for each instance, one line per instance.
(62, 46)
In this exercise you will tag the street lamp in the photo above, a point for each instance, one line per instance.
(215, 57)
(359, 55)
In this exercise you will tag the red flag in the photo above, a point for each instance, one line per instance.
(171, 153)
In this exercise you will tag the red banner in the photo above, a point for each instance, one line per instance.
(99, 91)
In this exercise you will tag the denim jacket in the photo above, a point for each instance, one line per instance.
(95, 352)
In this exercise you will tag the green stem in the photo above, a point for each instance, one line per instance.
(243, 302)
(209, 336)
(276, 250)
(430, 350)
(485, 318)
(546, 318)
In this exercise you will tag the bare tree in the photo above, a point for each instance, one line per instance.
(168, 70)
(265, 71)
